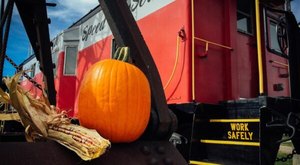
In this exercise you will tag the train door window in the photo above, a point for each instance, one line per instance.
(245, 16)
(276, 37)
(274, 44)
(70, 62)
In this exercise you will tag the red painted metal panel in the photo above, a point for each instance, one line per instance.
(210, 72)
(65, 87)
(276, 74)
(160, 31)
(28, 86)
(247, 66)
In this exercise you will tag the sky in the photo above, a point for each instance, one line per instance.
(62, 16)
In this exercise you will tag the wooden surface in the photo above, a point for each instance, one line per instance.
(136, 153)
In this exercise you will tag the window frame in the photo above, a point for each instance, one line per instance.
(65, 60)
(55, 63)
(249, 16)
(269, 18)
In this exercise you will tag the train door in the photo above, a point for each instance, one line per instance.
(276, 58)
(65, 78)
(213, 61)
(246, 50)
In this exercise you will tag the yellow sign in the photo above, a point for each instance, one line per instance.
(240, 131)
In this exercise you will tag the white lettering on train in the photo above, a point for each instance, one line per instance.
(96, 27)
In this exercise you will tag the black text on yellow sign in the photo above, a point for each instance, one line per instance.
(239, 131)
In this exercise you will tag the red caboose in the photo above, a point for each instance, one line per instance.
(221, 63)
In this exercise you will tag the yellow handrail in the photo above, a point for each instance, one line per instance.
(259, 50)
(213, 43)
(279, 63)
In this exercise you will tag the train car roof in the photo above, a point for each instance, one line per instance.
(87, 16)
(27, 60)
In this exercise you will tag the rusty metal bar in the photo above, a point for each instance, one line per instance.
(127, 33)
(39, 86)
(8, 14)
(1, 16)
(34, 17)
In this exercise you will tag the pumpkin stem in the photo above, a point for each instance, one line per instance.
(122, 54)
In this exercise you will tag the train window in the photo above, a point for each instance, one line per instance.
(275, 33)
(54, 61)
(244, 16)
(70, 63)
(32, 70)
(274, 45)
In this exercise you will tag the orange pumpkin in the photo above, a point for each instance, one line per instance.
(114, 99)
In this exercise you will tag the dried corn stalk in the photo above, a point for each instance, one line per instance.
(42, 121)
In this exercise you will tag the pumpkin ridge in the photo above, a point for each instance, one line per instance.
(83, 97)
(138, 100)
(104, 95)
(93, 93)
(134, 102)
(97, 74)
(146, 112)
(113, 89)
(120, 98)
(128, 81)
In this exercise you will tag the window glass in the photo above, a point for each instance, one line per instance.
(54, 61)
(276, 35)
(70, 60)
(274, 45)
(244, 16)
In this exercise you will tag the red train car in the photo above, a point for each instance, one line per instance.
(205, 51)
(212, 54)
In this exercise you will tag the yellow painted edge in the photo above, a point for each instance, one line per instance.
(226, 142)
(193, 51)
(201, 163)
(233, 120)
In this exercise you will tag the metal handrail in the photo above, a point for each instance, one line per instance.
(213, 43)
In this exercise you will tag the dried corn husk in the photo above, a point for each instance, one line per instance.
(43, 121)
